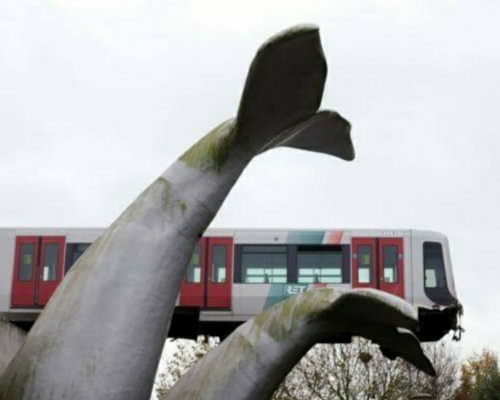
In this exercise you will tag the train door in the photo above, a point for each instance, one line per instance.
(219, 272)
(391, 268)
(38, 269)
(378, 263)
(208, 281)
(364, 268)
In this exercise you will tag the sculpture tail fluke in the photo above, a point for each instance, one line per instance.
(325, 132)
(279, 106)
(407, 346)
(282, 94)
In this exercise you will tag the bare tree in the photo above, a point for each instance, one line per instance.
(186, 353)
(360, 371)
(446, 363)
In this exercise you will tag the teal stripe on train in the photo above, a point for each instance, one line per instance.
(305, 237)
(281, 291)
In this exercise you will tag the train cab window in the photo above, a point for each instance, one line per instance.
(434, 273)
(317, 264)
(264, 264)
(365, 262)
(219, 264)
(435, 284)
(26, 262)
(51, 252)
(390, 254)
(73, 252)
(194, 269)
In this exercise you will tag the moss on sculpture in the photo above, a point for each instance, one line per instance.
(212, 151)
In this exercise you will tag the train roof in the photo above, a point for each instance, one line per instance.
(90, 232)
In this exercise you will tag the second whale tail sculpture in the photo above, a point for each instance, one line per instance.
(252, 362)
(101, 335)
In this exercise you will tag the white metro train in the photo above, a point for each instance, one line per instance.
(234, 274)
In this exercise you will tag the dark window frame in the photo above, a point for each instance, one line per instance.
(238, 260)
(190, 274)
(291, 264)
(326, 248)
(50, 255)
(385, 259)
(216, 268)
(21, 273)
(372, 271)
(73, 253)
(246, 249)
(440, 294)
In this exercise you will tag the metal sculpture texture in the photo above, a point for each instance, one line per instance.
(252, 362)
(101, 335)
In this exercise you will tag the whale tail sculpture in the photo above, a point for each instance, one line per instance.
(101, 335)
(256, 357)
(279, 106)
(283, 91)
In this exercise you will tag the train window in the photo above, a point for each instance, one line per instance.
(434, 273)
(73, 252)
(390, 254)
(264, 264)
(194, 269)
(26, 262)
(319, 265)
(430, 278)
(219, 264)
(365, 262)
(435, 285)
(50, 262)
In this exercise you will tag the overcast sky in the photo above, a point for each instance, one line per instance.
(99, 97)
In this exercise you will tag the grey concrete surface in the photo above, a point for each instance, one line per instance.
(11, 339)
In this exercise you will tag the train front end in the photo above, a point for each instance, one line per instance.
(434, 290)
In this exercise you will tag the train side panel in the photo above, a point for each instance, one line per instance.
(414, 265)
